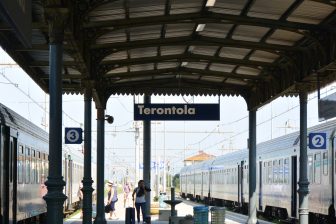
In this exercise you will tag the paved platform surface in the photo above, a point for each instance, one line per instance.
(183, 209)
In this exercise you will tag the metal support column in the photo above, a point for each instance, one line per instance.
(147, 156)
(252, 219)
(100, 218)
(87, 179)
(303, 179)
(55, 183)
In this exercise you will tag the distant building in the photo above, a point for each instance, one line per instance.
(200, 157)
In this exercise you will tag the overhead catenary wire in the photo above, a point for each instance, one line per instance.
(265, 121)
(33, 100)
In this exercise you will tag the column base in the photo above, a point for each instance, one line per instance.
(251, 221)
(99, 221)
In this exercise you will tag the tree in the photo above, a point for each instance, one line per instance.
(176, 181)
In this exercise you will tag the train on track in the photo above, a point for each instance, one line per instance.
(224, 180)
(24, 150)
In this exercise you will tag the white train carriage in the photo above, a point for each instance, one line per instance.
(24, 150)
(187, 186)
(277, 176)
(202, 172)
(275, 179)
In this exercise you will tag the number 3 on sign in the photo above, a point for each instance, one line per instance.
(73, 135)
(318, 140)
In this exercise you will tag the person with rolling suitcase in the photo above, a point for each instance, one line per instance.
(140, 200)
(130, 215)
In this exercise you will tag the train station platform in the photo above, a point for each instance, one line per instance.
(183, 209)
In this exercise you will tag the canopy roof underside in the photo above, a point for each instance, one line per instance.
(258, 49)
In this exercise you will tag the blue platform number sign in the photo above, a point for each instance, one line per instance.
(318, 140)
(73, 135)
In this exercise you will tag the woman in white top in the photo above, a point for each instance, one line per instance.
(140, 200)
(112, 198)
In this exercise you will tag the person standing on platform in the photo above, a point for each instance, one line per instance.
(140, 200)
(80, 196)
(127, 190)
(112, 198)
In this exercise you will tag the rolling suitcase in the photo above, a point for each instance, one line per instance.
(130, 215)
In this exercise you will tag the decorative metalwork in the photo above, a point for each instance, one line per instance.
(248, 50)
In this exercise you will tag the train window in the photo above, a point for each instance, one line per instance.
(224, 181)
(280, 171)
(217, 177)
(235, 176)
(20, 164)
(325, 163)
(264, 173)
(27, 179)
(270, 173)
(33, 167)
(47, 166)
(232, 176)
(229, 176)
(11, 145)
(310, 168)
(246, 174)
(38, 171)
(63, 168)
(317, 168)
(286, 171)
(275, 171)
(42, 177)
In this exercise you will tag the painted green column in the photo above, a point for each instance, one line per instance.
(55, 183)
(147, 156)
(100, 218)
(303, 179)
(87, 179)
(252, 212)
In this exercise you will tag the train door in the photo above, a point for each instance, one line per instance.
(333, 167)
(240, 183)
(4, 175)
(201, 185)
(2, 193)
(8, 181)
(260, 184)
(210, 186)
(12, 178)
(70, 180)
(294, 187)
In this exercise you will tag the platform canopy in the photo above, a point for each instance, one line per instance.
(258, 49)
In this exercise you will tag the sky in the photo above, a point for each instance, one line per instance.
(174, 140)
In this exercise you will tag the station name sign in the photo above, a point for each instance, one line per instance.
(176, 112)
